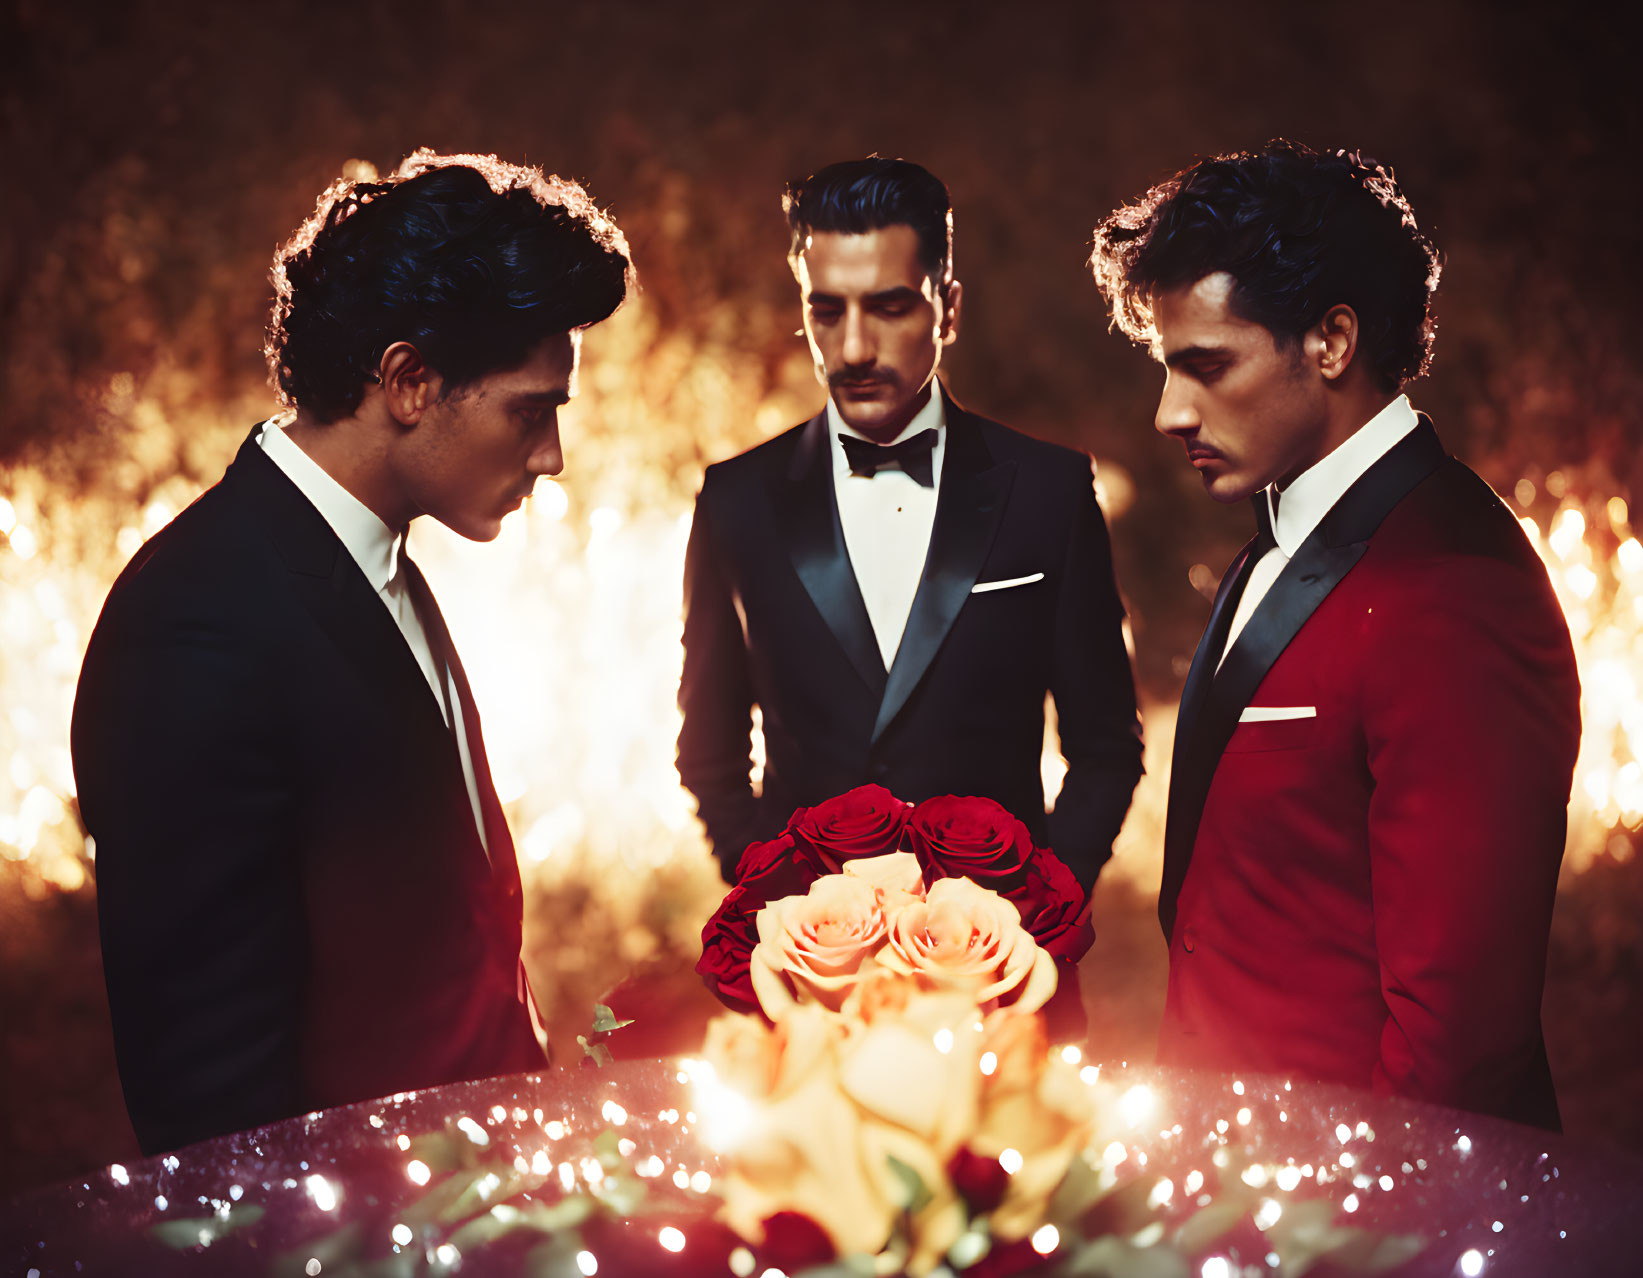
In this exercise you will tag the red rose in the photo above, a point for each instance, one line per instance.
(868, 821)
(977, 839)
(981, 1182)
(969, 838)
(1054, 907)
(793, 1242)
(767, 872)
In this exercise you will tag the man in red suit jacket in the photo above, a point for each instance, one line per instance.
(1378, 732)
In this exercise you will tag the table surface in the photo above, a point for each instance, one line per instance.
(362, 1183)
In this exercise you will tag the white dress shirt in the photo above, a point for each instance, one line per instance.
(376, 549)
(887, 519)
(1301, 507)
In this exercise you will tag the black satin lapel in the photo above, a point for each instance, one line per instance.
(1193, 696)
(1211, 645)
(807, 512)
(967, 517)
(1332, 550)
(333, 589)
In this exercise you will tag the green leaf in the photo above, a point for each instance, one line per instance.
(555, 1258)
(205, 1230)
(334, 1251)
(1204, 1227)
(856, 1266)
(441, 1151)
(1307, 1234)
(915, 1194)
(606, 1148)
(604, 1020)
(1115, 1258)
(598, 1051)
(1078, 1191)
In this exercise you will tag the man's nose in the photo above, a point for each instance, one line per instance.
(859, 347)
(1177, 415)
(547, 458)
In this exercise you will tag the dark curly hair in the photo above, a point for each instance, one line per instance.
(1299, 232)
(470, 259)
(857, 196)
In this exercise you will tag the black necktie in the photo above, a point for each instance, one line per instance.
(1264, 540)
(915, 456)
(504, 866)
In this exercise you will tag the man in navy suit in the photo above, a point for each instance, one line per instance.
(898, 583)
(307, 892)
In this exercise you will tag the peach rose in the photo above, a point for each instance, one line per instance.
(814, 947)
(1034, 1103)
(910, 1059)
(896, 875)
(968, 936)
(795, 1141)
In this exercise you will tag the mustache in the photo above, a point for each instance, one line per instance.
(872, 376)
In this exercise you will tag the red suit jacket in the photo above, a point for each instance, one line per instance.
(1364, 896)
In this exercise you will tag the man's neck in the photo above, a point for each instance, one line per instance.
(353, 451)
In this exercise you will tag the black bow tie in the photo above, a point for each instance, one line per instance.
(915, 456)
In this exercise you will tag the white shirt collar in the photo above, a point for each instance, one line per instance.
(933, 416)
(1303, 505)
(373, 545)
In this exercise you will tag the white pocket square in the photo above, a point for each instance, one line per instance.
(1272, 714)
(982, 587)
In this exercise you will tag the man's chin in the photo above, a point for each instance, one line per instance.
(474, 528)
(873, 418)
(1229, 490)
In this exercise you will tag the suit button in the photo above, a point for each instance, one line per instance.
(879, 771)
(1189, 939)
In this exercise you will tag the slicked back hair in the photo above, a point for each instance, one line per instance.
(472, 260)
(1299, 232)
(857, 196)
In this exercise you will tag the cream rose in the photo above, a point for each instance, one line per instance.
(799, 1143)
(968, 936)
(815, 947)
(896, 875)
(1034, 1103)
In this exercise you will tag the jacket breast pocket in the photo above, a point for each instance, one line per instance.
(1252, 736)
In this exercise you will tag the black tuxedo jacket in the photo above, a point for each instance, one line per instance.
(296, 910)
(773, 617)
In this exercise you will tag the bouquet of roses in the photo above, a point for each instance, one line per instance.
(792, 927)
(899, 1082)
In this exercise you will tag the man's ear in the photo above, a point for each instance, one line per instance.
(409, 385)
(951, 313)
(1333, 341)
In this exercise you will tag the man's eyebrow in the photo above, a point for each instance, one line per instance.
(1189, 353)
(556, 398)
(901, 293)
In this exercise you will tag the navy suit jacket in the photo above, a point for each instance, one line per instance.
(773, 617)
(295, 907)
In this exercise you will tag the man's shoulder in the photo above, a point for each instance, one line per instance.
(1453, 547)
(769, 456)
(208, 561)
(1028, 452)
(1454, 512)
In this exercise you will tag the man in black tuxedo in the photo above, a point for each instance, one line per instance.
(898, 583)
(307, 892)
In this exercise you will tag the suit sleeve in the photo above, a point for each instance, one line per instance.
(1094, 693)
(181, 785)
(716, 697)
(1472, 723)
